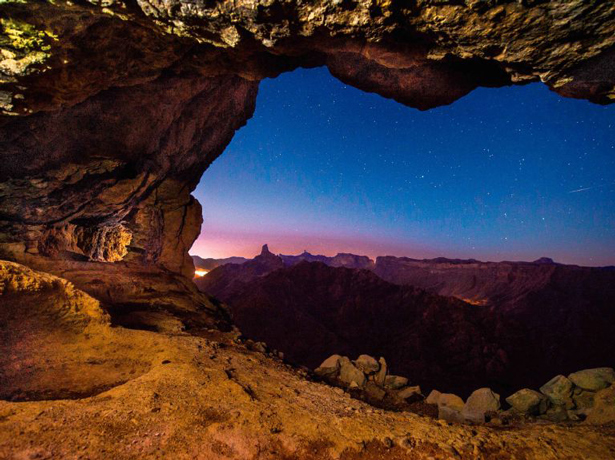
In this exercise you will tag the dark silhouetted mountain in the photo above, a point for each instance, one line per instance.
(494, 283)
(210, 264)
(529, 321)
(228, 278)
(340, 260)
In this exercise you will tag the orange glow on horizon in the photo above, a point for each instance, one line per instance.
(200, 273)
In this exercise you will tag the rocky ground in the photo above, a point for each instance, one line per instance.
(178, 395)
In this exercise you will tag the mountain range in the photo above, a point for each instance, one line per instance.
(454, 324)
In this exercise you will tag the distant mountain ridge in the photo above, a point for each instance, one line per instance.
(471, 280)
(523, 322)
(210, 264)
(342, 259)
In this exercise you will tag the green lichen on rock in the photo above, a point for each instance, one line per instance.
(24, 37)
(21, 46)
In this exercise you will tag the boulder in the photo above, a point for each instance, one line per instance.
(349, 373)
(395, 382)
(374, 392)
(583, 400)
(559, 391)
(450, 414)
(433, 397)
(556, 414)
(593, 379)
(528, 402)
(380, 376)
(604, 407)
(450, 400)
(329, 367)
(450, 407)
(479, 403)
(410, 394)
(367, 364)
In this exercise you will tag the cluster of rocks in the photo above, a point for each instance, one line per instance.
(585, 395)
(368, 379)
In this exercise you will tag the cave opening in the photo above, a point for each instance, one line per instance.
(514, 173)
(517, 176)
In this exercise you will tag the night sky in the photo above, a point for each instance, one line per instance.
(502, 174)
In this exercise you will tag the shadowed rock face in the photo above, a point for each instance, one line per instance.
(110, 115)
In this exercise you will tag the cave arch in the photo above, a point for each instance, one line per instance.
(110, 115)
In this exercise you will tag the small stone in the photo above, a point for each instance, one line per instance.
(556, 414)
(395, 382)
(573, 415)
(593, 379)
(367, 364)
(559, 391)
(433, 397)
(528, 402)
(374, 392)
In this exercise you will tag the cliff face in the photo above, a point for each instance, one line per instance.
(112, 112)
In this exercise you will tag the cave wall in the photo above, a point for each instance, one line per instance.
(111, 111)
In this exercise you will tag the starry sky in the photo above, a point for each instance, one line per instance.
(513, 173)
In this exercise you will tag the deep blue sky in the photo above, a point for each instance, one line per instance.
(502, 174)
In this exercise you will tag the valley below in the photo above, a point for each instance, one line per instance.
(526, 322)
